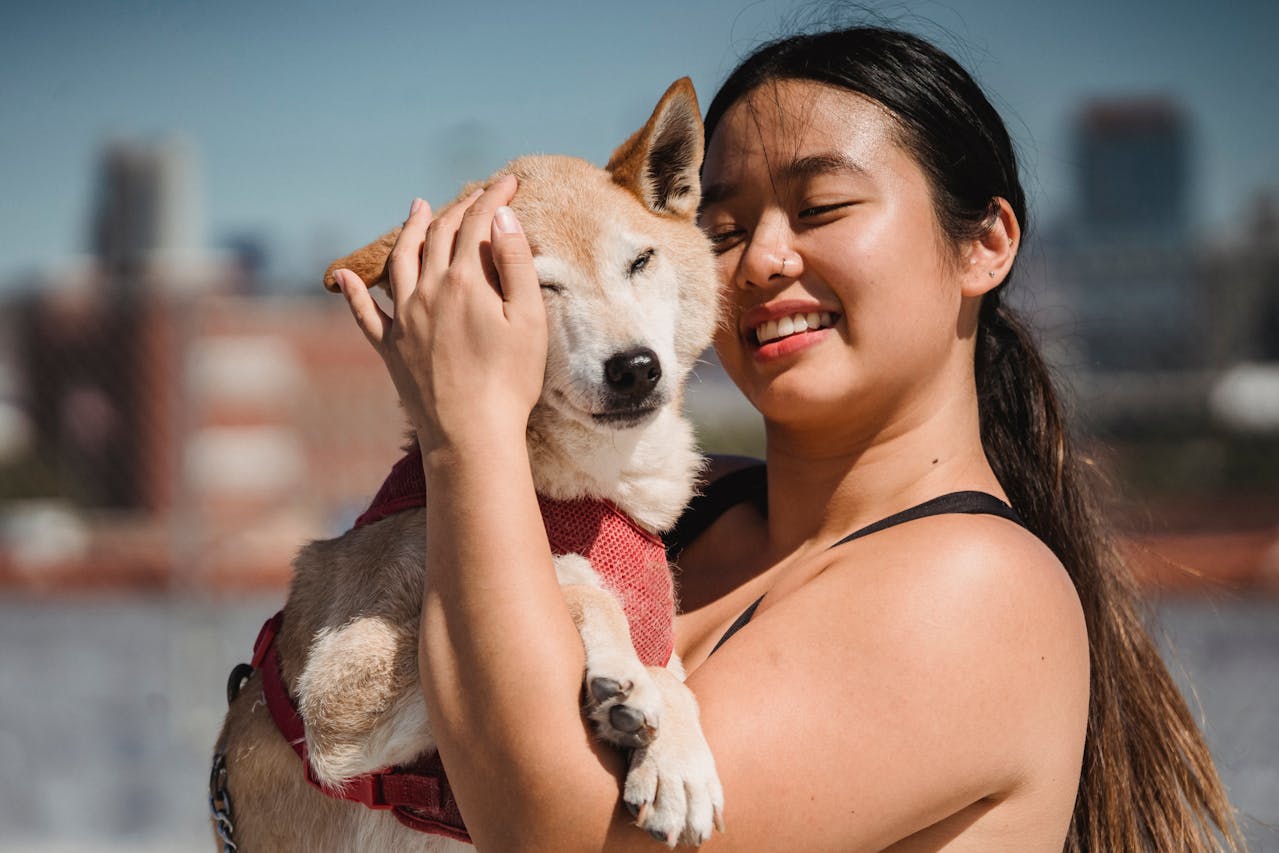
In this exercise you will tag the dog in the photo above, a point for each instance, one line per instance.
(630, 290)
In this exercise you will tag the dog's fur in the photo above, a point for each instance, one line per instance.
(349, 643)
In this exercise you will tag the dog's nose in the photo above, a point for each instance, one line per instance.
(633, 373)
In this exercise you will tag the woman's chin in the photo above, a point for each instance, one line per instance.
(800, 395)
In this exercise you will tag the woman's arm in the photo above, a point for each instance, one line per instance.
(501, 662)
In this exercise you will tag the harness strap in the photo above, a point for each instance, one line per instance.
(630, 560)
(418, 797)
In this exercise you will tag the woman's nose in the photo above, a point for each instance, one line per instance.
(770, 257)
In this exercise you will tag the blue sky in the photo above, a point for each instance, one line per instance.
(316, 123)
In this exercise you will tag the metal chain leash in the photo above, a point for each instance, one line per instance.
(219, 797)
(220, 804)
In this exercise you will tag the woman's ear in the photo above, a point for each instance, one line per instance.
(988, 258)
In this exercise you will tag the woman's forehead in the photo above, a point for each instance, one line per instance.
(795, 129)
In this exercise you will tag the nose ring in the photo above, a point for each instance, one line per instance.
(785, 261)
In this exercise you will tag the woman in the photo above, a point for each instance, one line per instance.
(963, 674)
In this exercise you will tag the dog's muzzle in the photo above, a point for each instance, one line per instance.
(631, 379)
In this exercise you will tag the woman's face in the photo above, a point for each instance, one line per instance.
(813, 176)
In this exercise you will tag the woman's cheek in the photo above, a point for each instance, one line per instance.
(725, 341)
(726, 266)
(730, 351)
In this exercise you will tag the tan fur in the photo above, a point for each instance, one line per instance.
(348, 646)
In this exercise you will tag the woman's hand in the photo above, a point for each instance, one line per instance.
(466, 347)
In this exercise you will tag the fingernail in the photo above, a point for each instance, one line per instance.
(506, 221)
(416, 206)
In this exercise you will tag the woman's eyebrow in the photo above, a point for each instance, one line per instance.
(715, 193)
(823, 163)
(801, 168)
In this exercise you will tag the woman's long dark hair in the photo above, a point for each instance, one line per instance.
(1148, 781)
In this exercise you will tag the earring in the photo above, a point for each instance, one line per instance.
(991, 273)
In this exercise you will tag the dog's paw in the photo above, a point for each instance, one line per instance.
(673, 790)
(623, 703)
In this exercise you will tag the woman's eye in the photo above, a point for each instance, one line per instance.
(640, 262)
(820, 209)
(722, 241)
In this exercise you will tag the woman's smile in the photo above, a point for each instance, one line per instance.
(783, 327)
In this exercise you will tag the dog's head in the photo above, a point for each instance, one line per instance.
(627, 276)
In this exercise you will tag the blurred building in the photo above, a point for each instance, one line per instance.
(148, 206)
(94, 339)
(1240, 276)
(1169, 335)
(1157, 310)
(1125, 256)
(182, 429)
(166, 419)
(1133, 170)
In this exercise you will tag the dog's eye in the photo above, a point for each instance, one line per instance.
(551, 287)
(640, 262)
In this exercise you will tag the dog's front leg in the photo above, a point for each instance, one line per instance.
(622, 700)
(672, 787)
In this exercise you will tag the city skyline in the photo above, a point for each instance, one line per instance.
(308, 134)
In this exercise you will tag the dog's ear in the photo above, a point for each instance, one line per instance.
(369, 263)
(661, 161)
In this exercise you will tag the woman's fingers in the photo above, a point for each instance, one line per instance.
(451, 247)
(370, 317)
(406, 255)
(477, 223)
(514, 261)
(440, 239)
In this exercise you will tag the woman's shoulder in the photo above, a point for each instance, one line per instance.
(977, 599)
(980, 573)
(950, 658)
(977, 618)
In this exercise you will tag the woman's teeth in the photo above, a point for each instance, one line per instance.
(792, 325)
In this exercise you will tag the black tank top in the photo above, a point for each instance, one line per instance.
(750, 484)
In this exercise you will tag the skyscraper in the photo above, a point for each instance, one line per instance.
(1133, 170)
(147, 205)
(1125, 259)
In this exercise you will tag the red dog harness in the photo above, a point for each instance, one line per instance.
(630, 561)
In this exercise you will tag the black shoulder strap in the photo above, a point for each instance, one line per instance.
(738, 624)
(744, 484)
(970, 503)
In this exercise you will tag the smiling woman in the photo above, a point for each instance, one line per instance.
(908, 630)
(863, 174)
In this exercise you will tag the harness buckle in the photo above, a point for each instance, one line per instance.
(365, 789)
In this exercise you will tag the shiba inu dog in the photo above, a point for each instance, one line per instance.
(630, 289)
